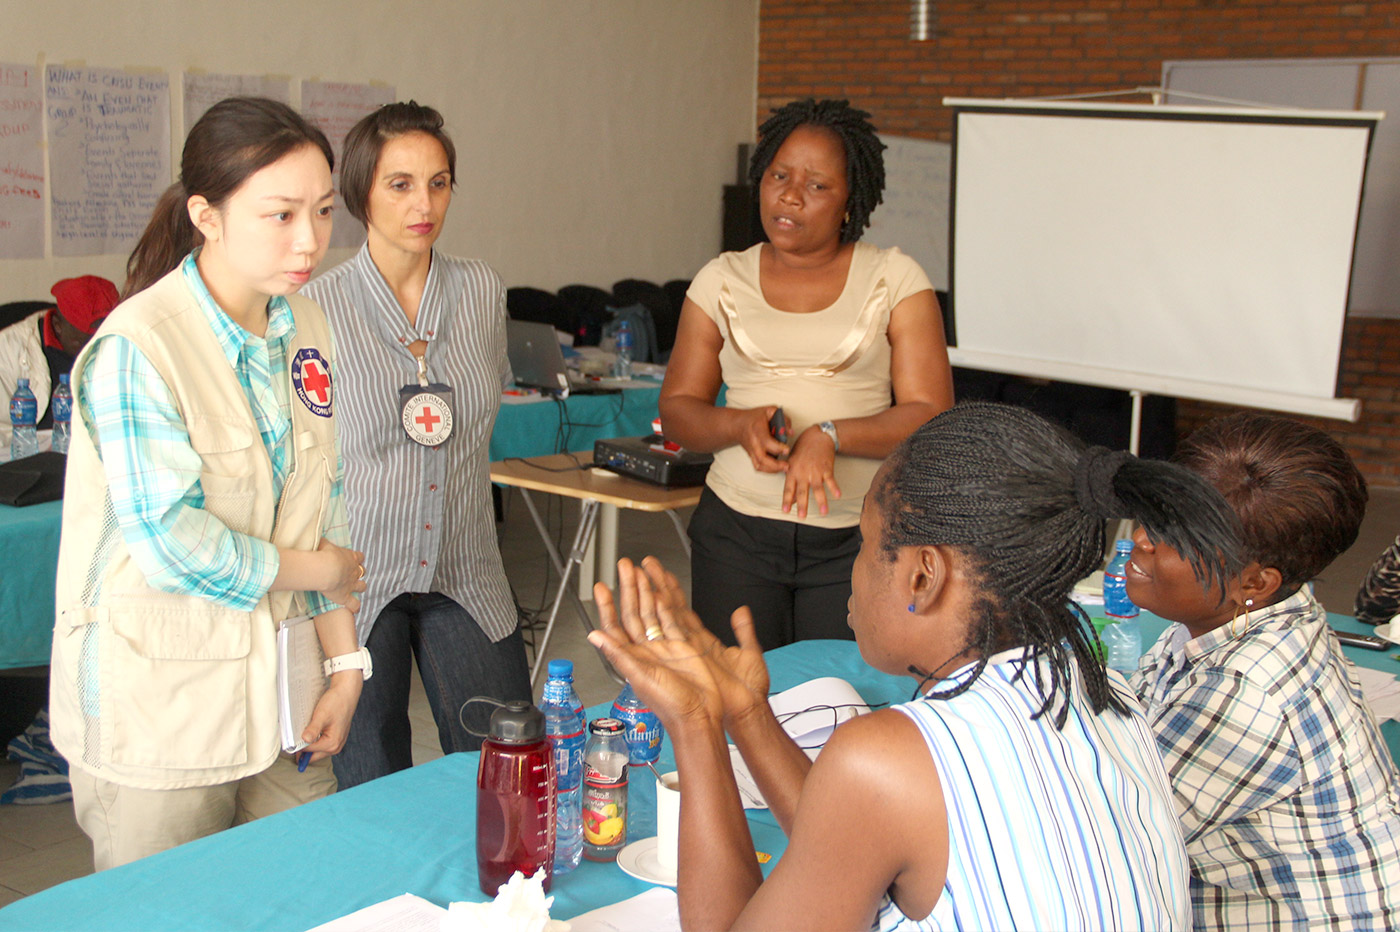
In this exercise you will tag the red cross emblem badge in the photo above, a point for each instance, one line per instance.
(427, 419)
(311, 377)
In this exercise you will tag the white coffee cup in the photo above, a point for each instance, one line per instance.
(668, 819)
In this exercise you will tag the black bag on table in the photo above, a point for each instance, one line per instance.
(33, 480)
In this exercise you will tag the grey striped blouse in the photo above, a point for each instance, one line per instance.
(422, 515)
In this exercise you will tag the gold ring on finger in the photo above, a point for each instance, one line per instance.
(362, 573)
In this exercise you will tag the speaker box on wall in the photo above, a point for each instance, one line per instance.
(742, 224)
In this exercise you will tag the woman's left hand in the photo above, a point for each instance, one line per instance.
(325, 734)
(641, 634)
(811, 472)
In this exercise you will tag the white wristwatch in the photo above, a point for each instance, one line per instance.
(829, 429)
(359, 660)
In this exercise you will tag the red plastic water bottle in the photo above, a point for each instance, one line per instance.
(514, 799)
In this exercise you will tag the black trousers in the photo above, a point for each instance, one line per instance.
(796, 579)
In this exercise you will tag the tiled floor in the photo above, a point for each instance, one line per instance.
(42, 845)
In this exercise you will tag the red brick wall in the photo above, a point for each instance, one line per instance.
(860, 49)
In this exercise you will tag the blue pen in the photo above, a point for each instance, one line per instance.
(303, 759)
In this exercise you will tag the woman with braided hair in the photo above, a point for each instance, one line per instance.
(1288, 796)
(826, 329)
(1020, 788)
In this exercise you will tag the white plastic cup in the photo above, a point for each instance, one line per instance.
(668, 819)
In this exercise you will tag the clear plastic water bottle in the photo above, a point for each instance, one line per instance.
(24, 414)
(622, 368)
(62, 406)
(564, 724)
(644, 731)
(1122, 637)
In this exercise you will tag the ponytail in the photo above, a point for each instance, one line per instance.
(169, 237)
(235, 138)
(1025, 504)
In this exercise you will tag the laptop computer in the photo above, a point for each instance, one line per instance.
(538, 362)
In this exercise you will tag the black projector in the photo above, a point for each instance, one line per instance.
(648, 459)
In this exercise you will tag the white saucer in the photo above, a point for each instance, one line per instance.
(639, 860)
(1390, 632)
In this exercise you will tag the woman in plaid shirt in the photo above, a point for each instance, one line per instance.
(1288, 797)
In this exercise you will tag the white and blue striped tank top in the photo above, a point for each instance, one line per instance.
(1049, 829)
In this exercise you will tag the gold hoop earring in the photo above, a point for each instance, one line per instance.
(1248, 604)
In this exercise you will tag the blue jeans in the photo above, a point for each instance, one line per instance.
(456, 661)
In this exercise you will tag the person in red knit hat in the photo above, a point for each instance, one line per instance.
(42, 346)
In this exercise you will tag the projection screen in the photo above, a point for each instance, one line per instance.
(1187, 251)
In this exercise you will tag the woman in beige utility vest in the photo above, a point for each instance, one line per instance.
(203, 504)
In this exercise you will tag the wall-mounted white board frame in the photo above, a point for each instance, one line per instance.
(1198, 252)
(914, 212)
(1335, 84)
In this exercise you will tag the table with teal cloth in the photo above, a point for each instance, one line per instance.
(411, 832)
(539, 428)
(29, 536)
(29, 539)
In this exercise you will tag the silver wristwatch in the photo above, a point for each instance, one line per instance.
(359, 660)
(829, 429)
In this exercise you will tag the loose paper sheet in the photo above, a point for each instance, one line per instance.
(203, 91)
(653, 911)
(809, 712)
(403, 913)
(335, 107)
(109, 150)
(21, 163)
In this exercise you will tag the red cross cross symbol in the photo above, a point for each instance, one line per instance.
(427, 419)
(315, 381)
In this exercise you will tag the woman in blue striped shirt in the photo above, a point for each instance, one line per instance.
(1019, 788)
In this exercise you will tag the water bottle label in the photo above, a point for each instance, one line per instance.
(62, 409)
(568, 760)
(644, 733)
(24, 412)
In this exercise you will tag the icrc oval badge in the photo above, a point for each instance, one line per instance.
(427, 419)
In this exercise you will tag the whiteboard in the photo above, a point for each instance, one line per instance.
(914, 213)
(1200, 251)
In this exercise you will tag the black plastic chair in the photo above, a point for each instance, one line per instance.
(588, 307)
(539, 306)
(664, 314)
(16, 311)
(675, 289)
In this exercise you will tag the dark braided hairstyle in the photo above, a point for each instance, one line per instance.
(865, 162)
(1024, 503)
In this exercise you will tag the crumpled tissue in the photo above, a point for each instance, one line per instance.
(519, 906)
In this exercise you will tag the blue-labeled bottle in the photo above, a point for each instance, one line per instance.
(62, 407)
(24, 415)
(564, 725)
(622, 368)
(1122, 637)
(644, 731)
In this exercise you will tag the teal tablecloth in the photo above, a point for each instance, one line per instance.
(541, 427)
(413, 831)
(29, 539)
(409, 832)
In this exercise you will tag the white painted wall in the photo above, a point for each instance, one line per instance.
(593, 136)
